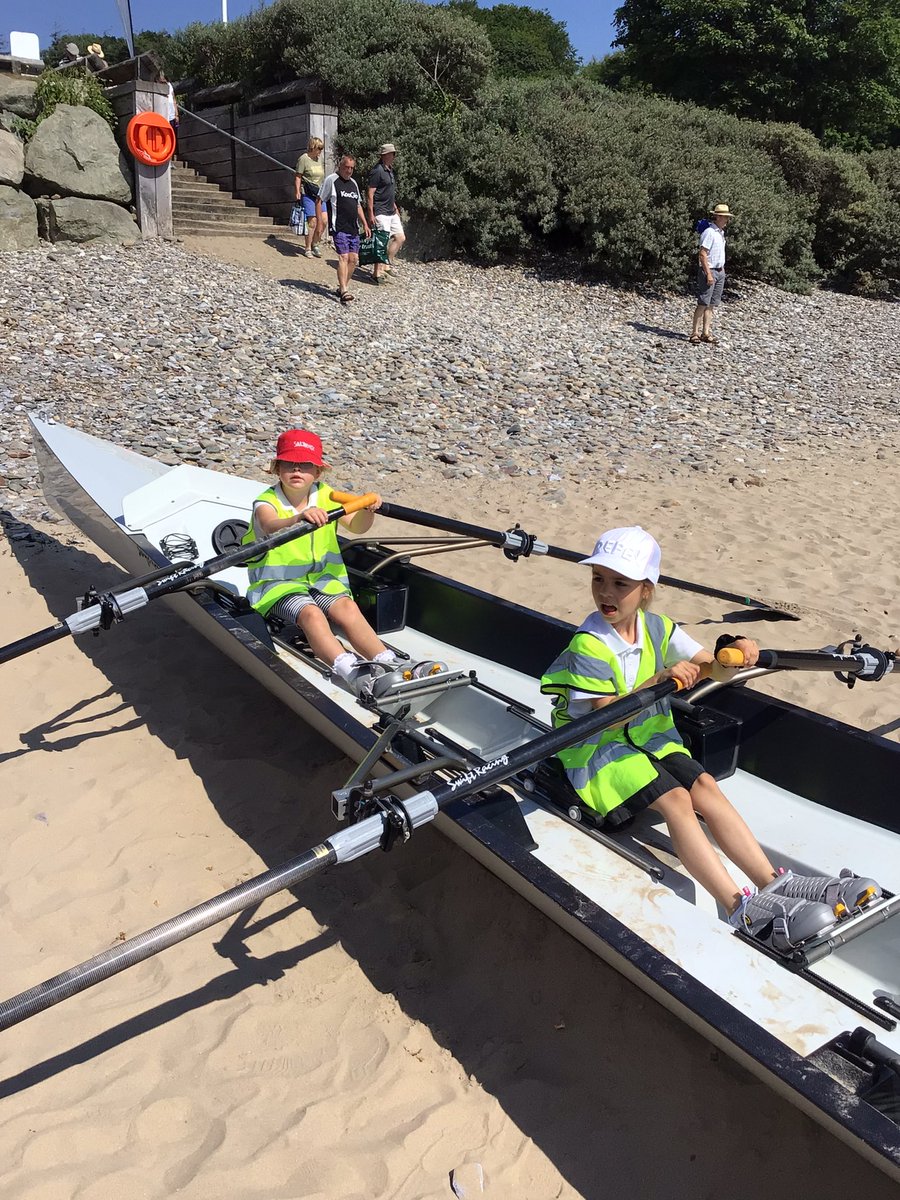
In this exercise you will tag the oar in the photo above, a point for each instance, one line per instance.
(395, 821)
(115, 604)
(516, 543)
(863, 662)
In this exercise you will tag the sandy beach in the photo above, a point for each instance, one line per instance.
(406, 1016)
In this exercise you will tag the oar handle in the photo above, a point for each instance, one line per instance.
(705, 673)
(729, 657)
(351, 503)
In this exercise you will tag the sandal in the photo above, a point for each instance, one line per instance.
(346, 297)
(709, 339)
(694, 339)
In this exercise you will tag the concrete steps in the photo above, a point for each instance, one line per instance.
(204, 209)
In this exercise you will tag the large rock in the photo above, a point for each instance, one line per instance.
(12, 159)
(74, 152)
(74, 219)
(17, 94)
(18, 220)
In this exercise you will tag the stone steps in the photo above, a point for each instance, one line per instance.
(204, 209)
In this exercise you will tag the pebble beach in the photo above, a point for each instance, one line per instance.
(368, 1045)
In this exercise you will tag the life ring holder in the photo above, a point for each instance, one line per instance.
(150, 138)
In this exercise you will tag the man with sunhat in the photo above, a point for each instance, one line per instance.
(95, 59)
(710, 274)
(383, 211)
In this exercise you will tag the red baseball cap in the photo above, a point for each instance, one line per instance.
(299, 445)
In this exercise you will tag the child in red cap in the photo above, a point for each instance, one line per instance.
(304, 582)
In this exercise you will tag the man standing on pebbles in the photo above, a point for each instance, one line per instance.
(710, 274)
(383, 211)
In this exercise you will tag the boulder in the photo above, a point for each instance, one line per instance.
(12, 159)
(17, 94)
(18, 220)
(74, 219)
(74, 152)
(42, 204)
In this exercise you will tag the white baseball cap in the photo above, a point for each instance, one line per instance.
(631, 551)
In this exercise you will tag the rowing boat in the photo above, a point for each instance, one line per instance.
(820, 1025)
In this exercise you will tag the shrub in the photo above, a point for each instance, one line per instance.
(72, 86)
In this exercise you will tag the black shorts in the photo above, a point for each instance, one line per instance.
(673, 771)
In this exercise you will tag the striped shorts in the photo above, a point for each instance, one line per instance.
(288, 607)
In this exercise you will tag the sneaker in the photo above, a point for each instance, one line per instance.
(363, 676)
(842, 893)
(306, 253)
(316, 252)
(779, 921)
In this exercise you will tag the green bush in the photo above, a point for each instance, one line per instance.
(72, 86)
(391, 51)
(616, 180)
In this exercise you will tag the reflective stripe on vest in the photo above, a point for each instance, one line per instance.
(309, 563)
(609, 770)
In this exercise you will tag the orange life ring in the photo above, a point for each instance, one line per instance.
(150, 138)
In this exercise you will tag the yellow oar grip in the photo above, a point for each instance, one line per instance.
(705, 673)
(729, 657)
(351, 503)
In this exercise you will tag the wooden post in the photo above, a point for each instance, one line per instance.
(152, 185)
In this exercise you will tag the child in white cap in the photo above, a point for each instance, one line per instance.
(621, 648)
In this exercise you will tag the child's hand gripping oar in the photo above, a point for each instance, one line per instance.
(112, 606)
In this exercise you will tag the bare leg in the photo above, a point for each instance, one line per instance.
(343, 272)
(731, 831)
(693, 848)
(352, 263)
(360, 634)
(322, 641)
(395, 245)
(707, 320)
(698, 319)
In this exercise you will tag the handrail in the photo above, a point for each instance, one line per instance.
(235, 138)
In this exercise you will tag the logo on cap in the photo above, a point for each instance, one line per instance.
(299, 445)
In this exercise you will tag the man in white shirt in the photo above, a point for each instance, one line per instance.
(710, 274)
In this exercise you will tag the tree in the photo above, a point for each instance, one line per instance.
(527, 42)
(832, 66)
(363, 51)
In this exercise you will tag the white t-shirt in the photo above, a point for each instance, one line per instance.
(312, 502)
(712, 240)
(681, 646)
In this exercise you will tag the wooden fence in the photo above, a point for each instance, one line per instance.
(281, 132)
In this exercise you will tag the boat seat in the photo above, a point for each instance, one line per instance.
(550, 777)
